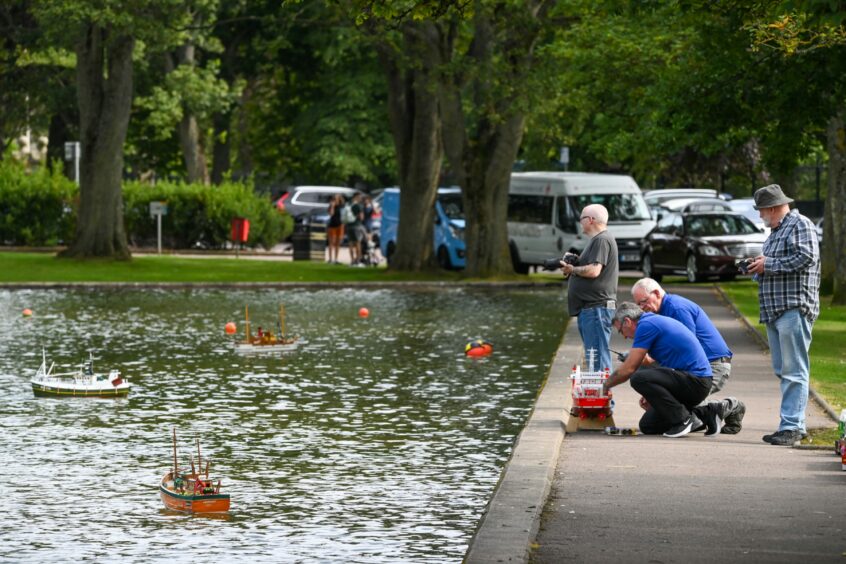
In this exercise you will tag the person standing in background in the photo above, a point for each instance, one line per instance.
(592, 288)
(335, 228)
(788, 275)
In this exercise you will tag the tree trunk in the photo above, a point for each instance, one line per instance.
(190, 136)
(416, 128)
(834, 236)
(222, 149)
(104, 86)
(484, 161)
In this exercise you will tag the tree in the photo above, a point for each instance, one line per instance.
(485, 103)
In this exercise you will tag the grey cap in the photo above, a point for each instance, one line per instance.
(770, 197)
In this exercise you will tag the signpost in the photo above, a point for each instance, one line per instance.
(157, 210)
(72, 153)
(565, 157)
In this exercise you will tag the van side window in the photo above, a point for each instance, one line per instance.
(565, 218)
(530, 209)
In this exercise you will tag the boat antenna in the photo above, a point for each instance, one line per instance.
(281, 320)
(175, 470)
(199, 458)
(247, 321)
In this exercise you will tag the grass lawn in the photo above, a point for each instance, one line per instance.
(828, 352)
(45, 267)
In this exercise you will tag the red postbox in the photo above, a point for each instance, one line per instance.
(240, 229)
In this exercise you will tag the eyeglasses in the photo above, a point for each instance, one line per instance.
(643, 301)
(585, 217)
(620, 326)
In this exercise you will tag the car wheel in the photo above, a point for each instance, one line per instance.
(649, 269)
(692, 275)
(519, 267)
(443, 258)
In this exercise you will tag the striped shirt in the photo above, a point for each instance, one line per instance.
(791, 277)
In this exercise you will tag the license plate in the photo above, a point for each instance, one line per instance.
(630, 258)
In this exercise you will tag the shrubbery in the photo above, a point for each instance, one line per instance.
(39, 208)
(201, 215)
(36, 208)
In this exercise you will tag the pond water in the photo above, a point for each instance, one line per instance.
(376, 441)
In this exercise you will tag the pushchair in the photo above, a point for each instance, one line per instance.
(370, 254)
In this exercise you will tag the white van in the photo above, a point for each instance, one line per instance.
(543, 215)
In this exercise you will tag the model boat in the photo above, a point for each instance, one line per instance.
(84, 381)
(266, 341)
(194, 491)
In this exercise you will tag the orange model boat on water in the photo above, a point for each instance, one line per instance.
(192, 492)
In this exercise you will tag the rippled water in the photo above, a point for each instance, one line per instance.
(376, 441)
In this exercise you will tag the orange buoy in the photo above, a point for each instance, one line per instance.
(363, 313)
(230, 328)
(27, 312)
(478, 348)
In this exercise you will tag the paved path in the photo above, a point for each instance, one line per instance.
(731, 498)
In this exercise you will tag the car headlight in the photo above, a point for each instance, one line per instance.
(710, 250)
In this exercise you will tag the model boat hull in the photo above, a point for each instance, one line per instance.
(250, 348)
(191, 503)
(46, 388)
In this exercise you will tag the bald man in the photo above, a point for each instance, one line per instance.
(592, 288)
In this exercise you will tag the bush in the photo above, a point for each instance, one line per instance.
(40, 208)
(36, 208)
(201, 215)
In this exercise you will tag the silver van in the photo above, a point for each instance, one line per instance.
(543, 215)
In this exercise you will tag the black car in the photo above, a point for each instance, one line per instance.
(700, 244)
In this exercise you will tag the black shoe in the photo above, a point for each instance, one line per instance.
(696, 423)
(713, 418)
(784, 438)
(680, 429)
(733, 412)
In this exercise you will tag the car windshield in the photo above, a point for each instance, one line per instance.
(452, 205)
(719, 225)
(621, 207)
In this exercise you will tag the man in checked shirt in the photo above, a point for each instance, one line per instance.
(788, 275)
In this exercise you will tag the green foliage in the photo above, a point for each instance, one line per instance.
(198, 214)
(36, 208)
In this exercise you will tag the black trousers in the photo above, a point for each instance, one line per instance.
(672, 395)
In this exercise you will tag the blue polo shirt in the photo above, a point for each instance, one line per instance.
(671, 344)
(697, 321)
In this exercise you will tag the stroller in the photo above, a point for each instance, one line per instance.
(370, 253)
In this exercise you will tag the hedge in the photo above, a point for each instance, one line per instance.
(39, 208)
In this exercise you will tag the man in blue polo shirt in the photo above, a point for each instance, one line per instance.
(673, 389)
(651, 298)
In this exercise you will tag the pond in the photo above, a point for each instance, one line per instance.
(376, 441)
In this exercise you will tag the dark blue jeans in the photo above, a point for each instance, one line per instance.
(672, 395)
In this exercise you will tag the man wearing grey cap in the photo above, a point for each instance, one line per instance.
(788, 275)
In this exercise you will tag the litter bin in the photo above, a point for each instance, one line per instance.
(317, 238)
(300, 240)
(309, 239)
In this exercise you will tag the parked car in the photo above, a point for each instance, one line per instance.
(746, 207)
(689, 205)
(656, 197)
(449, 226)
(301, 201)
(700, 244)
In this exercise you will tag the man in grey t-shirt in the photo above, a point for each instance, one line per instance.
(592, 290)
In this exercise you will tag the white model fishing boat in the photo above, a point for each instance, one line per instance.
(266, 341)
(83, 382)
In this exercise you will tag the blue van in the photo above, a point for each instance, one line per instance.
(449, 226)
